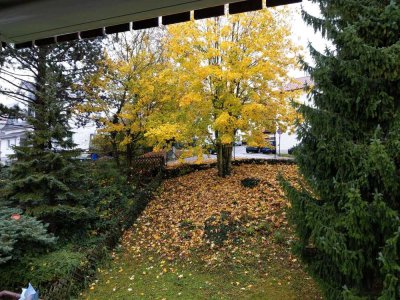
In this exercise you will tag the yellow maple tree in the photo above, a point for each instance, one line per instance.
(228, 75)
(122, 94)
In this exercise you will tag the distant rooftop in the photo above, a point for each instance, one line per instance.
(12, 124)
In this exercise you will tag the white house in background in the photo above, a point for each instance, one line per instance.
(12, 131)
(83, 136)
(289, 139)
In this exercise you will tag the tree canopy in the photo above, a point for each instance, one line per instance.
(123, 92)
(228, 74)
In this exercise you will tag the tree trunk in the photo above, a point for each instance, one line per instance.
(224, 159)
(114, 141)
(39, 104)
(115, 151)
(129, 155)
(129, 159)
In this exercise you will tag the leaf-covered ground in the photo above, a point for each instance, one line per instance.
(205, 237)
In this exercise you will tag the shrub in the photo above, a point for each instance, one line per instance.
(250, 182)
(25, 245)
(22, 236)
(40, 270)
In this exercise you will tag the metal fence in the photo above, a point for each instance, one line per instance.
(145, 169)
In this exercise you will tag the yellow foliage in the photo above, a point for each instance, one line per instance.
(219, 75)
(114, 127)
(158, 135)
(125, 91)
(256, 138)
(190, 98)
(229, 74)
(226, 139)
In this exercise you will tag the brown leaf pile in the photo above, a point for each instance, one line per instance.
(173, 224)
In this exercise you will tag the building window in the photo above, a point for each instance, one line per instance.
(11, 142)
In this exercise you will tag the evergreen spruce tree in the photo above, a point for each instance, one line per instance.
(347, 214)
(21, 236)
(45, 181)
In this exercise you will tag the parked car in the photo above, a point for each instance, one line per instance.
(238, 143)
(250, 149)
(267, 150)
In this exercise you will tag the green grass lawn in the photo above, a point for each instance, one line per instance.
(150, 277)
(174, 252)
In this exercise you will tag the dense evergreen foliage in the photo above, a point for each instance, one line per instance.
(44, 187)
(28, 253)
(45, 181)
(18, 235)
(347, 214)
(19, 232)
(54, 209)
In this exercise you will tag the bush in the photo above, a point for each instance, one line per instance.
(25, 252)
(250, 182)
(21, 237)
(112, 203)
(40, 270)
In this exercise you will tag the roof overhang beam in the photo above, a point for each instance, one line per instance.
(42, 22)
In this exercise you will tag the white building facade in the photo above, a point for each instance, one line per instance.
(12, 131)
(289, 138)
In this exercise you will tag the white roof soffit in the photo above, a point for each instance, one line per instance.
(42, 22)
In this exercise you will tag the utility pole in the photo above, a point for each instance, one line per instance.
(279, 145)
(279, 133)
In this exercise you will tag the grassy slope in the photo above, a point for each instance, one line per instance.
(168, 255)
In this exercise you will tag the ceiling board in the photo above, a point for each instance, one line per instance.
(31, 20)
(23, 21)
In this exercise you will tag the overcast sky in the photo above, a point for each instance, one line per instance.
(302, 34)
